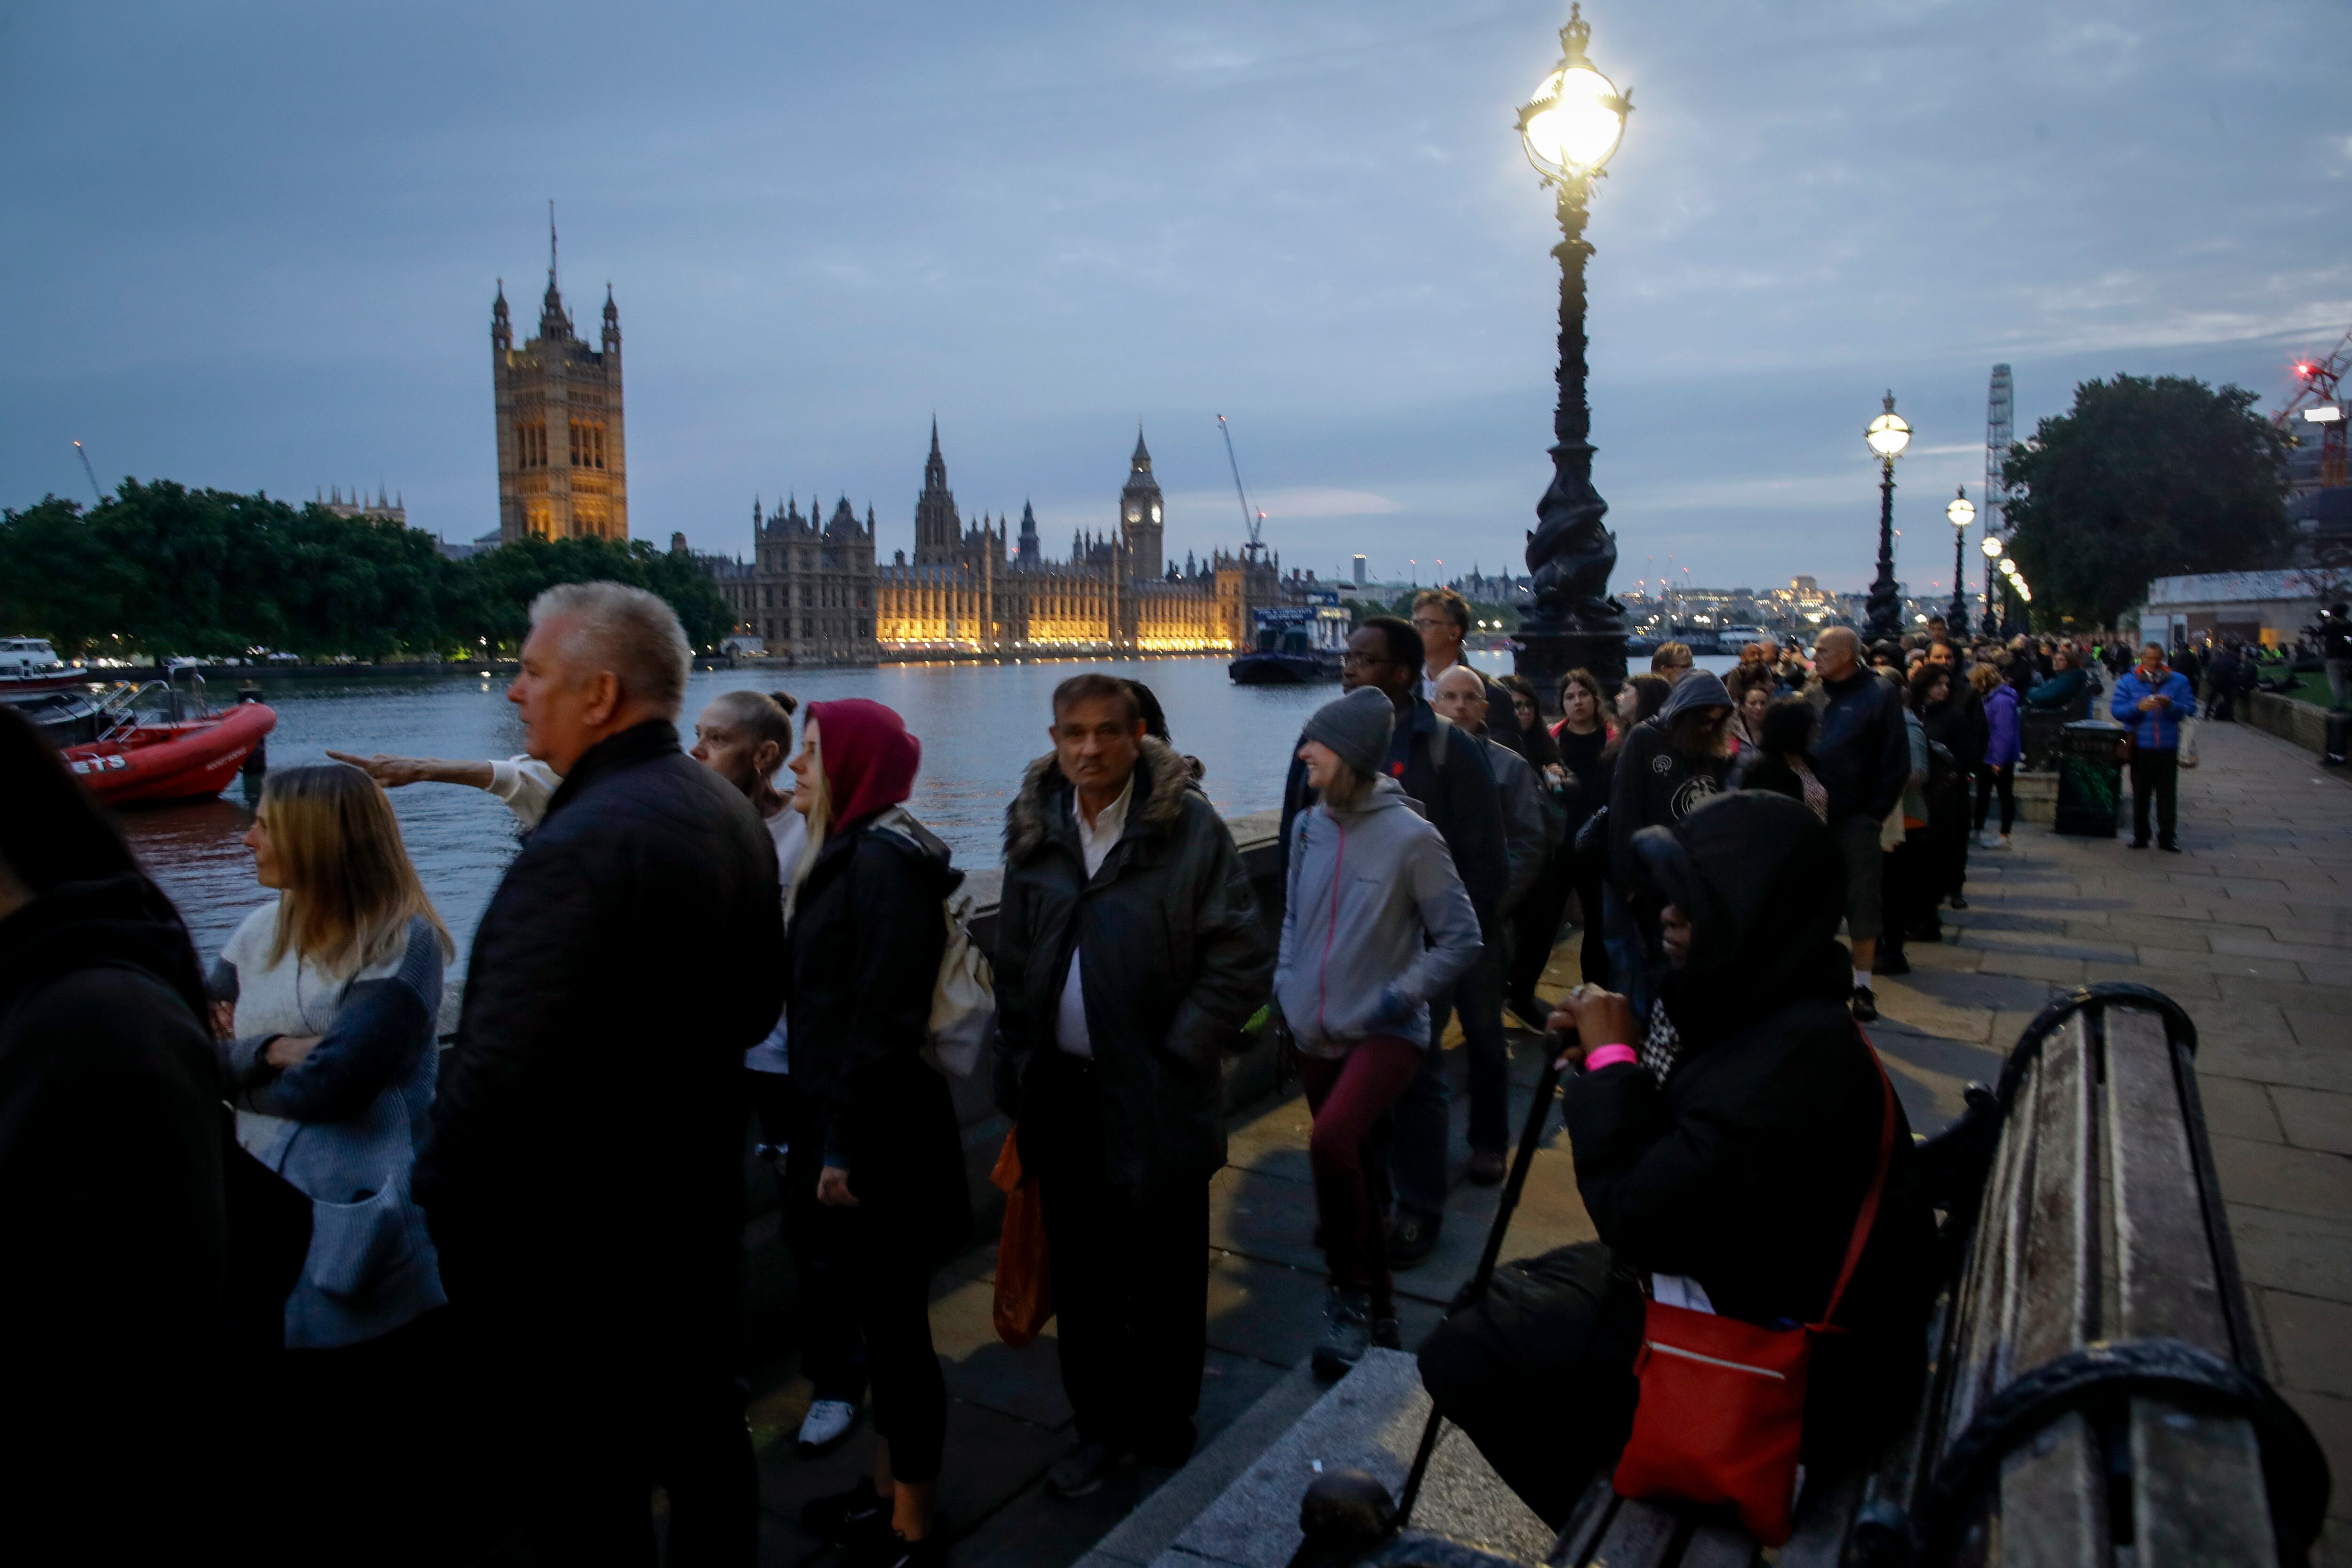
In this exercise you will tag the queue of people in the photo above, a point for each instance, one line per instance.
(540, 1227)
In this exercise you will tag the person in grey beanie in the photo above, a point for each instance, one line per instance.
(1376, 923)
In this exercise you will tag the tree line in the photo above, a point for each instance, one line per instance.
(159, 569)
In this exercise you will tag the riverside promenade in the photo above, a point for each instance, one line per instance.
(2250, 930)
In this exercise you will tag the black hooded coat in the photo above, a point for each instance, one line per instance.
(1745, 1170)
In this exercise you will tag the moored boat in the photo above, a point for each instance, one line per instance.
(137, 760)
(1298, 644)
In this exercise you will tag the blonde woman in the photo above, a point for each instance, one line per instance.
(325, 1001)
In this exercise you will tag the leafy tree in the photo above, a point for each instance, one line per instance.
(160, 569)
(2145, 478)
(58, 580)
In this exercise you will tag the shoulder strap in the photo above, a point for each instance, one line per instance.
(1869, 1214)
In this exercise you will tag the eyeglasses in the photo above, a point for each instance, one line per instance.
(1424, 623)
(1357, 657)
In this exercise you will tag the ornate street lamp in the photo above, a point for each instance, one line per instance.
(1888, 435)
(1570, 129)
(1962, 511)
(1992, 548)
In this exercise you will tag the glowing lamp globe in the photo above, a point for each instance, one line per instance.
(1962, 511)
(2008, 567)
(1991, 546)
(1571, 126)
(1889, 434)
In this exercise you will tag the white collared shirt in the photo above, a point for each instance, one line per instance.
(1428, 679)
(1096, 840)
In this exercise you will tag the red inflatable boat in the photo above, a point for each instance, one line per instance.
(155, 761)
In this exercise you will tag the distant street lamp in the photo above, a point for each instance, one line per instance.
(1992, 553)
(1570, 129)
(1962, 511)
(1888, 435)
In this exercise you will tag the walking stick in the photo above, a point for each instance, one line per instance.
(1346, 1511)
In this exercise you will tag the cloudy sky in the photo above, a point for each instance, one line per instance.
(253, 245)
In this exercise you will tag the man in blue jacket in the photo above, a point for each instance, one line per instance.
(2152, 700)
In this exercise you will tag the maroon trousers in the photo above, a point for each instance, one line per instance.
(1350, 1095)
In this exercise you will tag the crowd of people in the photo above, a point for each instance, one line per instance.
(383, 1273)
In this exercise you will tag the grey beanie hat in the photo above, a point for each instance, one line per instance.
(1356, 728)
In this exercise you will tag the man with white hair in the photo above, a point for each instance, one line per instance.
(583, 1180)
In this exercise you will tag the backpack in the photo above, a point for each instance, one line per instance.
(963, 997)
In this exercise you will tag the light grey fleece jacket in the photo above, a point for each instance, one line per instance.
(1376, 923)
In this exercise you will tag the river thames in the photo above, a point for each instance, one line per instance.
(980, 726)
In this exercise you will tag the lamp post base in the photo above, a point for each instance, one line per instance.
(1541, 656)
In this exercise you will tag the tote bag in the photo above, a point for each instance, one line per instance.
(1024, 1280)
(1722, 1412)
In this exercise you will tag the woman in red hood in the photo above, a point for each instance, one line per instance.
(874, 1175)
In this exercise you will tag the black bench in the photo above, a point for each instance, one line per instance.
(2095, 1393)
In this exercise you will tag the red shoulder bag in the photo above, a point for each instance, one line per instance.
(1722, 1412)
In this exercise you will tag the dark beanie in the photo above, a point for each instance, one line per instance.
(1356, 728)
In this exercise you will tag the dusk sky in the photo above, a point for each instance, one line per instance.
(254, 246)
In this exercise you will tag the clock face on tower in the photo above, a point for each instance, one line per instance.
(1155, 513)
(1133, 515)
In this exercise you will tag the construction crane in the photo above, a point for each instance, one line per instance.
(2316, 401)
(81, 452)
(1254, 520)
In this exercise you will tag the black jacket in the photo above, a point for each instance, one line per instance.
(114, 1219)
(1862, 751)
(1654, 785)
(1448, 775)
(868, 930)
(587, 1137)
(1176, 959)
(1746, 1168)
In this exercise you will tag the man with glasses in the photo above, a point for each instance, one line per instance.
(1447, 773)
(1441, 616)
(1672, 660)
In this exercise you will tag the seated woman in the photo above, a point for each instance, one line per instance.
(1730, 1177)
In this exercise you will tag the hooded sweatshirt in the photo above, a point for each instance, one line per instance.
(1654, 785)
(1376, 923)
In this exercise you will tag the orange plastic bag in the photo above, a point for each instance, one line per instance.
(1025, 1284)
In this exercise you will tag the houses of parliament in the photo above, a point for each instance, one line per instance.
(814, 592)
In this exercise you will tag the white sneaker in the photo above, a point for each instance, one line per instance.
(1989, 839)
(829, 1421)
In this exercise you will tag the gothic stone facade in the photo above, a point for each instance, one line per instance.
(563, 471)
(817, 595)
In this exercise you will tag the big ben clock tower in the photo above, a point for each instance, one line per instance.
(1139, 514)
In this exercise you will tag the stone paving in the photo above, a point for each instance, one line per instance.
(2250, 930)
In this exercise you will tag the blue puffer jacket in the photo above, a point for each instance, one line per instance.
(2001, 717)
(343, 1126)
(2158, 729)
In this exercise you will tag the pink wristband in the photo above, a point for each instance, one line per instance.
(1608, 1057)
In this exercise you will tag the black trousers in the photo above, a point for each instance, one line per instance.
(832, 1350)
(1540, 1372)
(1535, 925)
(1131, 1274)
(2155, 776)
(579, 1425)
(867, 1284)
(2003, 780)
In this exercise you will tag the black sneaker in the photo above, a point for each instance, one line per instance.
(1866, 1006)
(856, 1517)
(2169, 849)
(1082, 1470)
(1959, 902)
(1413, 1239)
(1346, 1333)
(1890, 961)
(2137, 844)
